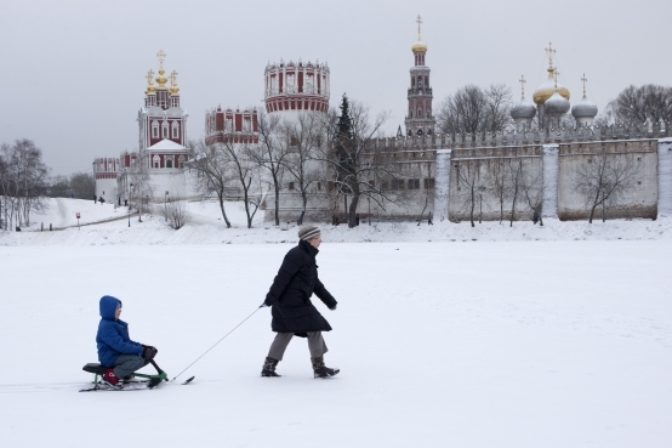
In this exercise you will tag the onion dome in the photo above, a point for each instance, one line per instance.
(546, 90)
(150, 83)
(419, 46)
(523, 111)
(161, 80)
(584, 108)
(556, 104)
(174, 89)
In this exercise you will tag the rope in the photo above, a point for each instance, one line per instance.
(217, 343)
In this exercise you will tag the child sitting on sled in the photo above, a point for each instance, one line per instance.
(116, 351)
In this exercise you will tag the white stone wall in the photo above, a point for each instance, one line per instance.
(442, 185)
(640, 198)
(665, 177)
(178, 183)
(550, 167)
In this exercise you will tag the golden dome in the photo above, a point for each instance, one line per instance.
(174, 89)
(548, 88)
(419, 47)
(150, 83)
(161, 80)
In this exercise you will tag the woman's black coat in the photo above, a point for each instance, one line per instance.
(291, 290)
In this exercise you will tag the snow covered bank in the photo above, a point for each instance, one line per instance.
(205, 226)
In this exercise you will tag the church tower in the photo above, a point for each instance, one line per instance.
(420, 120)
(162, 117)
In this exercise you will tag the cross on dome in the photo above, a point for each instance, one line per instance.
(550, 51)
(522, 82)
(555, 78)
(150, 77)
(584, 80)
(419, 21)
(162, 57)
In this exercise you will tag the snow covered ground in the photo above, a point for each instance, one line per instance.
(500, 342)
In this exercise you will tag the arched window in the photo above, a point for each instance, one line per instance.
(155, 129)
(164, 129)
(156, 161)
(175, 129)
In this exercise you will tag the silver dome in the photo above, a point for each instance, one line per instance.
(584, 109)
(556, 105)
(523, 111)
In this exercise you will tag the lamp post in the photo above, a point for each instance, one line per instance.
(165, 206)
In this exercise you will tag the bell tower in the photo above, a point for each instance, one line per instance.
(419, 119)
(162, 117)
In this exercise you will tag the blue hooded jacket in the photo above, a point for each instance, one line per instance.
(112, 337)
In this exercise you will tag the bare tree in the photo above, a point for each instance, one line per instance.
(603, 179)
(24, 180)
(272, 155)
(515, 167)
(497, 174)
(472, 110)
(305, 139)
(469, 178)
(534, 195)
(355, 163)
(498, 107)
(82, 185)
(650, 103)
(176, 214)
(464, 112)
(4, 186)
(140, 187)
(224, 164)
(213, 172)
(245, 170)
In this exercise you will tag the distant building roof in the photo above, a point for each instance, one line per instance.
(166, 145)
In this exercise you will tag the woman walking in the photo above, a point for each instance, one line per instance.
(291, 308)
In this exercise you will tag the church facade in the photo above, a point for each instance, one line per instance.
(157, 170)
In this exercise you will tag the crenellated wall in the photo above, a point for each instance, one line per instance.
(531, 175)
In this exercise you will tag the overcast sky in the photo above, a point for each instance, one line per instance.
(73, 71)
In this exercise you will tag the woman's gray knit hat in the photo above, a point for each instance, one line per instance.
(309, 232)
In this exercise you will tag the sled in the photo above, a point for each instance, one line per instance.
(135, 378)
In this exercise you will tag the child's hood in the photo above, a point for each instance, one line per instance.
(108, 307)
